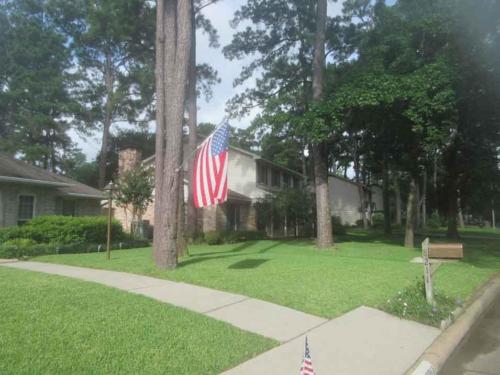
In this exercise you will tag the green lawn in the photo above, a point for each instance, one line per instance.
(55, 325)
(366, 269)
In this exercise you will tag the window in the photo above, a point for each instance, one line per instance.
(26, 208)
(262, 174)
(69, 208)
(287, 179)
(275, 178)
(296, 183)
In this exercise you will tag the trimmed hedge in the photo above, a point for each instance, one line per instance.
(63, 234)
(65, 229)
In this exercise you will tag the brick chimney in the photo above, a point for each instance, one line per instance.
(128, 159)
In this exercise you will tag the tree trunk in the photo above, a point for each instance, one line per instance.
(361, 192)
(397, 192)
(460, 215)
(387, 207)
(173, 51)
(108, 118)
(493, 219)
(418, 203)
(182, 249)
(320, 156)
(410, 215)
(452, 231)
(424, 199)
(192, 214)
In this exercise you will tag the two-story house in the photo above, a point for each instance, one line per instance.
(250, 179)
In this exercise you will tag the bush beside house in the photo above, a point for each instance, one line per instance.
(62, 234)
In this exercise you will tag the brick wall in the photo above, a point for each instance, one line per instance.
(128, 159)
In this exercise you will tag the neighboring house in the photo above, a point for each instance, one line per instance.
(345, 202)
(27, 191)
(250, 179)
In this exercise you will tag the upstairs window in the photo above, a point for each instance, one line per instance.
(287, 181)
(275, 178)
(296, 182)
(26, 208)
(262, 174)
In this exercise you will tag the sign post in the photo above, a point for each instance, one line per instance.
(427, 272)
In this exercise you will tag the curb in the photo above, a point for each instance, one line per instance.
(5, 261)
(433, 359)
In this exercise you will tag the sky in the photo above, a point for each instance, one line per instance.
(213, 111)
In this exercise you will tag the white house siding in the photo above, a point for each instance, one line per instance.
(242, 175)
(344, 200)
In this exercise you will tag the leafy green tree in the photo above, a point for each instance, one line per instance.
(135, 193)
(113, 47)
(35, 100)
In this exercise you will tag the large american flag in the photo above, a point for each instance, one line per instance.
(210, 169)
(307, 365)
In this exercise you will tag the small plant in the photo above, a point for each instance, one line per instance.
(378, 220)
(434, 221)
(410, 303)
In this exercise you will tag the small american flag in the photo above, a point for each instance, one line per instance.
(210, 169)
(307, 365)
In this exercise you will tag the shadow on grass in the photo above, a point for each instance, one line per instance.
(198, 258)
(247, 264)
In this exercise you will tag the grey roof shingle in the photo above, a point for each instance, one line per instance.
(17, 170)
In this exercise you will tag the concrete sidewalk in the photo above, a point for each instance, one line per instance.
(363, 341)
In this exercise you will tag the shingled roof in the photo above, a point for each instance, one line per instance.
(16, 171)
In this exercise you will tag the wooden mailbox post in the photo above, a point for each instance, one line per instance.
(427, 272)
(437, 251)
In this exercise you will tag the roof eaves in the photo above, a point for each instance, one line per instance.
(32, 181)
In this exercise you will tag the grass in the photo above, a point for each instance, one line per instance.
(366, 269)
(56, 325)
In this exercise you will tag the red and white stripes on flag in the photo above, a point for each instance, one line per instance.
(210, 169)
(307, 366)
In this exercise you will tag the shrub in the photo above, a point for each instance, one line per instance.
(434, 221)
(22, 247)
(378, 220)
(337, 226)
(214, 238)
(65, 229)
